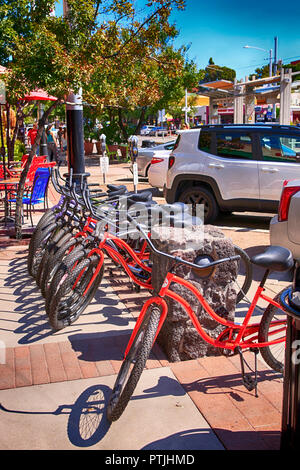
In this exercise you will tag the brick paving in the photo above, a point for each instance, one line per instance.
(238, 418)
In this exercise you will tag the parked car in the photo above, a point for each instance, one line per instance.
(158, 131)
(284, 227)
(145, 156)
(233, 167)
(145, 130)
(157, 172)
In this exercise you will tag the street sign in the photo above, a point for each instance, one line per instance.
(104, 160)
(135, 175)
(104, 164)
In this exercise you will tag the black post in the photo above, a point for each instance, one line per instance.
(43, 141)
(290, 431)
(75, 138)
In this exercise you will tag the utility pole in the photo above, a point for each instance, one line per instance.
(74, 118)
(275, 54)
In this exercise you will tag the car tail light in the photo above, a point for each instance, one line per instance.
(156, 160)
(284, 205)
(171, 161)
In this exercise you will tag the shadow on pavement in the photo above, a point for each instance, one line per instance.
(227, 384)
(87, 423)
(29, 303)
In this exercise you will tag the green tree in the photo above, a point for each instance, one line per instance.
(295, 68)
(262, 72)
(63, 54)
(213, 72)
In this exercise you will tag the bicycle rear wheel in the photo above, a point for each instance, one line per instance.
(273, 326)
(133, 364)
(245, 273)
(74, 293)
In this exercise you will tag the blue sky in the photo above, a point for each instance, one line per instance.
(219, 29)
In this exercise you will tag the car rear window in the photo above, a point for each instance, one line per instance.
(205, 141)
(280, 148)
(177, 142)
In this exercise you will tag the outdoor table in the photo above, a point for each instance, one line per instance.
(8, 182)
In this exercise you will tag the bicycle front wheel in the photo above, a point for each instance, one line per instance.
(273, 327)
(133, 364)
(75, 293)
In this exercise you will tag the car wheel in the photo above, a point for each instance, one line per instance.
(196, 195)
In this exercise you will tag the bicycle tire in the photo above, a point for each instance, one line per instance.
(60, 237)
(36, 253)
(247, 271)
(63, 270)
(54, 260)
(273, 355)
(69, 302)
(127, 379)
(35, 241)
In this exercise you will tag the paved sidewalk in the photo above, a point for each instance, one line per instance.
(54, 386)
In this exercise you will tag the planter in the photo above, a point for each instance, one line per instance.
(99, 148)
(88, 147)
(112, 151)
(124, 152)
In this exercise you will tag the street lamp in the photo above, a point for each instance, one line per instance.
(265, 50)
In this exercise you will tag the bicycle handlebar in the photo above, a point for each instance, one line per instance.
(177, 259)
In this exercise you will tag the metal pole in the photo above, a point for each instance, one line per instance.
(104, 161)
(270, 64)
(275, 54)
(43, 142)
(74, 118)
(290, 428)
(75, 139)
(186, 108)
(133, 149)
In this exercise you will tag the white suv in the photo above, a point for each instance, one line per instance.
(233, 167)
(284, 227)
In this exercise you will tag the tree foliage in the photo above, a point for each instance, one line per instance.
(106, 48)
(213, 72)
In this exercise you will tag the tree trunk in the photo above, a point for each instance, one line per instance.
(121, 125)
(19, 199)
(141, 120)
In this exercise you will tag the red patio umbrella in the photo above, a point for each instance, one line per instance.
(38, 95)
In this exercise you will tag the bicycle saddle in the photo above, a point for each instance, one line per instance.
(114, 187)
(275, 258)
(116, 190)
(140, 197)
(146, 204)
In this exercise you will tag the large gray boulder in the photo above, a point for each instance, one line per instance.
(178, 337)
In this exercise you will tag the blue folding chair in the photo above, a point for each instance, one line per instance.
(39, 191)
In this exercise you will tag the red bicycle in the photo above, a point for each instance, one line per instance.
(264, 336)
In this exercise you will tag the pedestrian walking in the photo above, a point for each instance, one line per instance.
(32, 133)
(51, 143)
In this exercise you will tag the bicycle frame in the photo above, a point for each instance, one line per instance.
(136, 257)
(235, 335)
